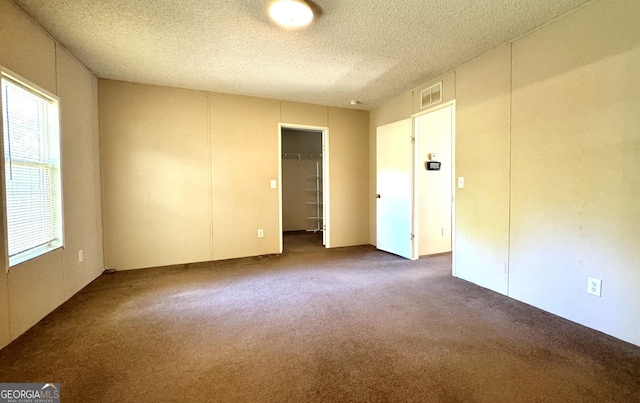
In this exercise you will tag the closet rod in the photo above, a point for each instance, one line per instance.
(287, 155)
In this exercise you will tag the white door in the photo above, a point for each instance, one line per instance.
(394, 189)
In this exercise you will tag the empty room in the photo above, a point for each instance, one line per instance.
(309, 201)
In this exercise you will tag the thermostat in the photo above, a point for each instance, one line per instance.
(433, 165)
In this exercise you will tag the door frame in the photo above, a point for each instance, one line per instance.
(416, 227)
(326, 205)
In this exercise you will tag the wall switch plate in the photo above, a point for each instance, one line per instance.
(80, 256)
(594, 286)
(460, 182)
(260, 233)
(273, 183)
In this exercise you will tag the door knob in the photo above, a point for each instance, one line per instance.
(378, 196)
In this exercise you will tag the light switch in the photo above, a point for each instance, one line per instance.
(460, 182)
(273, 184)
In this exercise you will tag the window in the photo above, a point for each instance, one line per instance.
(31, 142)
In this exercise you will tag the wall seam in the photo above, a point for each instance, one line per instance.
(102, 181)
(97, 166)
(55, 66)
(4, 246)
(55, 41)
(209, 145)
(8, 299)
(508, 264)
(454, 174)
(509, 42)
(455, 84)
(61, 169)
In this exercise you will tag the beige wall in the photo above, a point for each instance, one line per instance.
(26, 49)
(348, 170)
(186, 173)
(244, 149)
(157, 156)
(31, 290)
(304, 114)
(482, 158)
(576, 167)
(548, 140)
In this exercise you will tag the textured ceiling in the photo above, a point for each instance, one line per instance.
(355, 49)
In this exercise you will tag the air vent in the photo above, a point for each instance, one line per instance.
(431, 95)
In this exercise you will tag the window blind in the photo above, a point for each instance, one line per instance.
(32, 177)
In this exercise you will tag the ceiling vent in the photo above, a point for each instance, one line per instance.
(431, 95)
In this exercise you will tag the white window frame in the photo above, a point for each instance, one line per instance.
(12, 261)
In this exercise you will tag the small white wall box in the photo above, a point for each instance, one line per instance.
(432, 165)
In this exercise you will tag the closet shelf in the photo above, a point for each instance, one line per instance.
(318, 198)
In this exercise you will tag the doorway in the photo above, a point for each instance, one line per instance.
(414, 184)
(434, 180)
(304, 189)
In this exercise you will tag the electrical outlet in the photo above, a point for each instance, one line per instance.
(444, 231)
(260, 233)
(80, 256)
(594, 286)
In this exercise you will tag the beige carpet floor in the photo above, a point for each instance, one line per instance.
(311, 325)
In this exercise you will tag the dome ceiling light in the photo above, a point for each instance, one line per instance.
(291, 13)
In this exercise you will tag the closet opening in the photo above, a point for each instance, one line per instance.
(304, 189)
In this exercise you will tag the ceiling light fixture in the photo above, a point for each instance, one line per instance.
(291, 13)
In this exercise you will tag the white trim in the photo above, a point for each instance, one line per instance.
(34, 253)
(15, 78)
(415, 223)
(10, 75)
(435, 108)
(280, 188)
(453, 188)
(3, 201)
(326, 194)
(415, 227)
(326, 206)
